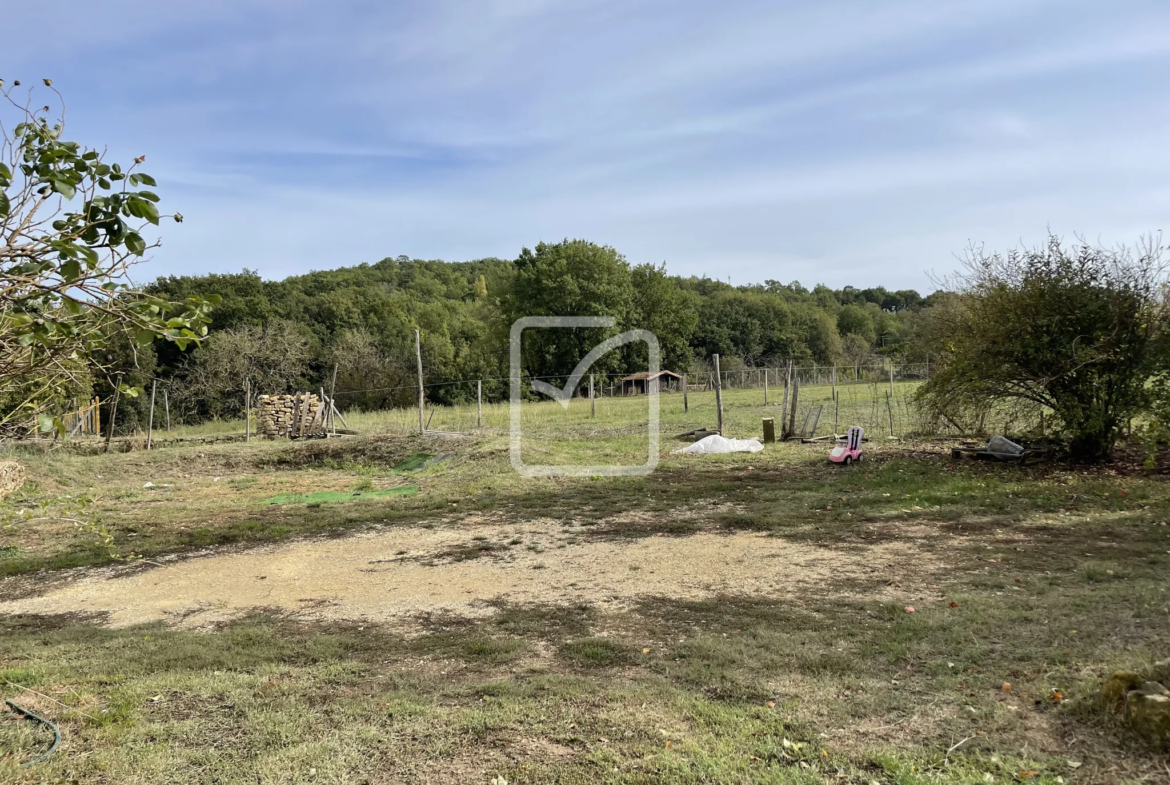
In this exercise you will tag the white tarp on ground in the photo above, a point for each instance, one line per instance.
(998, 445)
(717, 444)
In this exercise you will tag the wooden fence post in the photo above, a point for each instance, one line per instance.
(167, 404)
(792, 415)
(836, 411)
(114, 411)
(784, 433)
(421, 392)
(479, 404)
(332, 406)
(686, 391)
(296, 415)
(150, 417)
(247, 410)
(765, 387)
(719, 395)
(592, 400)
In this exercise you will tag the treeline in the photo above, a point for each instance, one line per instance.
(292, 334)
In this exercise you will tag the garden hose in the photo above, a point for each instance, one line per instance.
(37, 718)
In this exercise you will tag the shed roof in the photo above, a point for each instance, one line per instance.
(647, 375)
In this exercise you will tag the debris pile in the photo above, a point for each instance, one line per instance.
(289, 415)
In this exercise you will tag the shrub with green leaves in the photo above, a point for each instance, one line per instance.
(1078, 332)
(72, 225)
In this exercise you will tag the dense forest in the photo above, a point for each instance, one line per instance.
(291, 334)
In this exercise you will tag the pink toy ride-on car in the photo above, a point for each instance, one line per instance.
(849, 449)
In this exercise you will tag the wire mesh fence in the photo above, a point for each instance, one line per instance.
(828, 399)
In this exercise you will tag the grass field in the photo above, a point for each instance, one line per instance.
(727, 619)
(859, 404)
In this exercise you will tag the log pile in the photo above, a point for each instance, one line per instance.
(289, 415)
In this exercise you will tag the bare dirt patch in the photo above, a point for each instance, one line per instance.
(396, 574)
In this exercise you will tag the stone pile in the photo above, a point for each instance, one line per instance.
(280, 414)
(11, 477)
(1143, 699)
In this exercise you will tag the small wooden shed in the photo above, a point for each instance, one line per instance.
(643, 382)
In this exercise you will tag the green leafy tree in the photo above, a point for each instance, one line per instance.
(668, 311)
(273, 358)
(1077, 331)
(571, 278)
(72, 226)
(856, 320)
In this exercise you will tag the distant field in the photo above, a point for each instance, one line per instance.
(860, 404)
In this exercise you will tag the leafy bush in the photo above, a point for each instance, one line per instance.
(1079, 333)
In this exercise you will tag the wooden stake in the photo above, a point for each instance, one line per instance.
(795, 395)
(114, 411)
(890, 409)
(836, 411)
(718, 395)
(686, 390)
(784, 406)
(479, 404)
(150, 417)
(292, 426)
(592, 400)
(421, 392)
(332, 395)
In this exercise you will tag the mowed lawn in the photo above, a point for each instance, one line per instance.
(944, 622)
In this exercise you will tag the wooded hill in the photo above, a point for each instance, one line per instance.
(290, 334)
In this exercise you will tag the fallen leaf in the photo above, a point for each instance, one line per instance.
(954, 605)
(645, 651)
(1007, 687)
(771, 704)
(1029, 774)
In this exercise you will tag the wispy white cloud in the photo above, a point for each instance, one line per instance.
(843, 141)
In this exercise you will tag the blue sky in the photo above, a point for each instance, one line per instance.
(840, 142)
